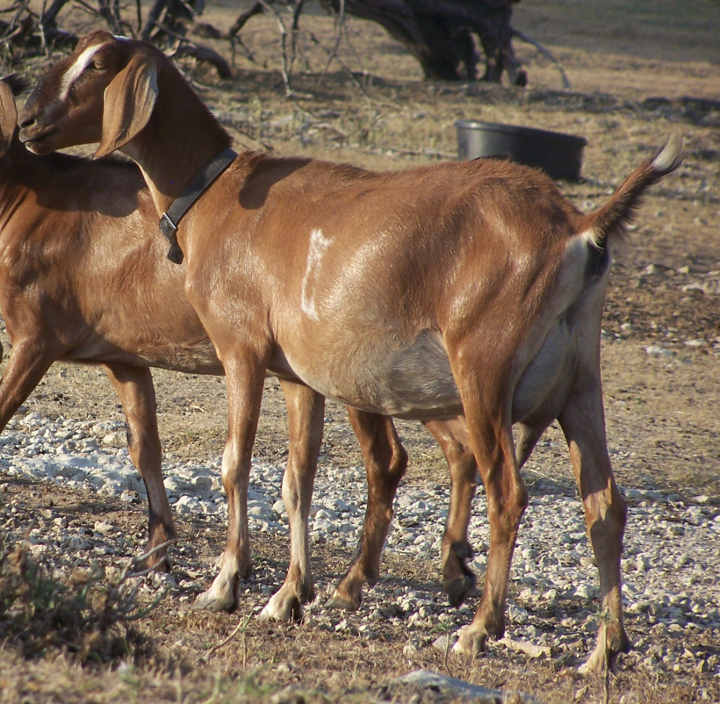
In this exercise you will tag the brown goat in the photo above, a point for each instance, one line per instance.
(81, 281)
(471, 288)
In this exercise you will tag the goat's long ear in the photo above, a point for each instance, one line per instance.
(8, 117)
(128, 102)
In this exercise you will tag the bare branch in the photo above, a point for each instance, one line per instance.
(204, 53)
(524, 37)
(153, 17)
(256, 9)
(283, 45)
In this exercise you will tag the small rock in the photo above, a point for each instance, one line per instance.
(445, 642)
(459, 689)
(103, 527)
(203, 484)
(115, 439)
(682, 560)
(658, 351)
(584, 591)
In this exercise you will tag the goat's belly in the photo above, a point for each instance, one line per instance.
(412, 381)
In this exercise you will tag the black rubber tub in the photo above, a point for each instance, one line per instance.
(560, 155)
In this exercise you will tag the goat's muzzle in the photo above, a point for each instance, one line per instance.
(36, 142)
(33, 132)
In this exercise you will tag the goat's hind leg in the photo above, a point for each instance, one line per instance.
(605, 513)
(487, 413)
(451, 435)
(305, 424)
(134, 387)
(385, 463)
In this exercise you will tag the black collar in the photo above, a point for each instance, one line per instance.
(170, 219)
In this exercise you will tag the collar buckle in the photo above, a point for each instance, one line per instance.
(169, 229)
(170, 219)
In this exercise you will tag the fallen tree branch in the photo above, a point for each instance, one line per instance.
(204, 53)
(524, 37)
(256, 9)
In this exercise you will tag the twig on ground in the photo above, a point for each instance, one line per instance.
(242, 626)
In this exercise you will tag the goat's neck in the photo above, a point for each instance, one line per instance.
(174, 146)
(13, 178)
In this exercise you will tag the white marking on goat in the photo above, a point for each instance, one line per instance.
(74, 72)
(316, 250)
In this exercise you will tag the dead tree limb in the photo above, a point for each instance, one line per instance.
(204, 53)
(153, 16)
(285, 68)
(256, 9)
(524, 37)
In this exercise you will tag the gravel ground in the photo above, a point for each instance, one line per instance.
(670, 560)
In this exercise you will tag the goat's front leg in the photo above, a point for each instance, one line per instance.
(244, 373)
(134, 387)
(451, 435)
(583, 423)
(385, 463)
(27, 365)
(306, 410)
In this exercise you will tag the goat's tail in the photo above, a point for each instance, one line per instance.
(611, 218)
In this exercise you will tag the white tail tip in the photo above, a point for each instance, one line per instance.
(670, 155)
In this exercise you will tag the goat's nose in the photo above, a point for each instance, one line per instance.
(26, 121)
(29, 112)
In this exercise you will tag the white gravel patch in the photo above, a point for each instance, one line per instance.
(671, 559)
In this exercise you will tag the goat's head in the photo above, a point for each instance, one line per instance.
(105, 92)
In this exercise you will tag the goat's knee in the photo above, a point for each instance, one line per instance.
(397, 466)
(606, 517)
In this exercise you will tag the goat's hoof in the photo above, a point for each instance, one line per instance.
(606, 651)
(458, 589)
(282, 608)
(338, 601)
(209, 601)
(471, 641)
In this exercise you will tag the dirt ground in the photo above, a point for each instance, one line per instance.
(636, 76)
